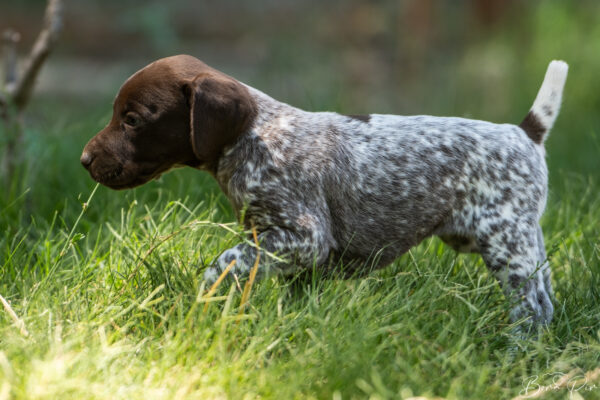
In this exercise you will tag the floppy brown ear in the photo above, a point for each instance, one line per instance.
(221, 110)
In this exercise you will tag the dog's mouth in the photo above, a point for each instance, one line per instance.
(119, 178)
(108, 176)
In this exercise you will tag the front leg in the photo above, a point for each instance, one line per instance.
(293, 248)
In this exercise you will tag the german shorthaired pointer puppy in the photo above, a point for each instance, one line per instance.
(321, 187)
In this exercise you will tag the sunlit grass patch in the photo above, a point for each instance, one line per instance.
(123, 316)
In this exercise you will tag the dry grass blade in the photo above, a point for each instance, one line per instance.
(18, 321)
(250, 282)
(215, 285)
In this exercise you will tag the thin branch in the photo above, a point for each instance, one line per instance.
(3, 105)
(10, 40)
(40, 51)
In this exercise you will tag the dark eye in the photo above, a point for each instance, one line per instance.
(132, 120)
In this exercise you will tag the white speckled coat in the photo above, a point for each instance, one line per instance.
(364, 189)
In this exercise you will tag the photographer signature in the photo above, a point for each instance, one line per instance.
(573, 382)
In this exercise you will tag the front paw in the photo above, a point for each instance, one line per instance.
(213, 272)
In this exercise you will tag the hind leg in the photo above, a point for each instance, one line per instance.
(545, 267)
(512, 252)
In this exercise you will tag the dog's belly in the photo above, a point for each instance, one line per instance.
(382, 225)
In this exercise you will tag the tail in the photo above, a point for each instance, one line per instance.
(546, 106)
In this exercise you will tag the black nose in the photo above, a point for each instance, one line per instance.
(86, 159)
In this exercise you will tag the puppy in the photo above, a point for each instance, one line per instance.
(322, 188)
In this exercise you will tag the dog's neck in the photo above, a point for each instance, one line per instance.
(250, 152)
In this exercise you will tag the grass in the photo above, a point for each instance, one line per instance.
(108, 287)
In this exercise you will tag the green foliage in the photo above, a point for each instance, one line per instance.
(115, 311)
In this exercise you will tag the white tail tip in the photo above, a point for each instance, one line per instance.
(546, 106)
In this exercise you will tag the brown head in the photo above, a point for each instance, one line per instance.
(177, 111)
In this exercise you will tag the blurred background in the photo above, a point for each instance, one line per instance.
(482, 59)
